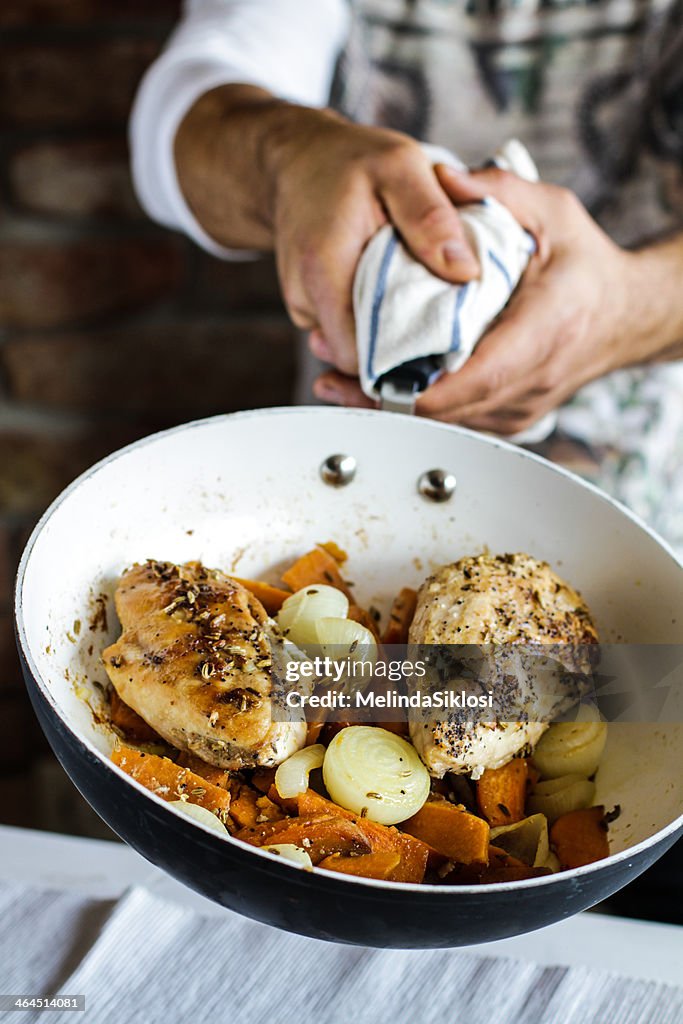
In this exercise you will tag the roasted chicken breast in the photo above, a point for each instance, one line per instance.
(502, 601)
(199, 660)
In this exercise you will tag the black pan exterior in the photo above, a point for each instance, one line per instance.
(319, 904)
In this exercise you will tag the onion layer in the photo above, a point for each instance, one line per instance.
(201, 814)
(291, 778)
(299, 613)
(290, 852)
(570, 748)
(560, 796)
(526, 840)
(374, 772)
(344, 640)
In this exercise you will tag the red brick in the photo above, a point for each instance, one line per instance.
(44, 285)
(66, 179)
(90, 83)
(74, 12)
(219, 285)
(34, 468)
(175, 371)
(10, 672)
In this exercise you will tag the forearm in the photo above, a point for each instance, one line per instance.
(222, 168)
(229, 151)
(656, 321)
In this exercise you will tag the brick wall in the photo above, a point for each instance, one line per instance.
(108, 324)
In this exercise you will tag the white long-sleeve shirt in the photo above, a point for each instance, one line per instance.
(288, 47)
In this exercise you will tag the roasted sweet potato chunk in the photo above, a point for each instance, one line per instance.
(250, 807)
(501, 792)
(413, 853)
(400, 617)
(316, 566)
(364, 617)
(321, 835)
(501, 868)
(216, 776)
(368, 865)
(171, 781)
(450, 830)
(132, 726)
(272, 598)
(580, 837)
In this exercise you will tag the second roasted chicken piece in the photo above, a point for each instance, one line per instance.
(199, 660)
(510, 606)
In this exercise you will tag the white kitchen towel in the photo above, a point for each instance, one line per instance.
(45, 934)
(157, 961)
(403, 311)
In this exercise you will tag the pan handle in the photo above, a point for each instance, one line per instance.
(400, 388)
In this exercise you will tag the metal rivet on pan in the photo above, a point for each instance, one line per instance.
(338, 470)
(436, 485)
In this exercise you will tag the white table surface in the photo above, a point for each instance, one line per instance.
(102, 869)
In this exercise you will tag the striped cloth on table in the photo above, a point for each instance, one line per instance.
(143, 960)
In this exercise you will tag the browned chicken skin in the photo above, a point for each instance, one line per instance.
(196, 660)
(498, 600)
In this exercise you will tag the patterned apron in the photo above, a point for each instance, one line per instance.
(594, 88)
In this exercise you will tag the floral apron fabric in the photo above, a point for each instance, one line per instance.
(594, 88)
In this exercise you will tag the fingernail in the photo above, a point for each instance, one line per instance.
(458, 252)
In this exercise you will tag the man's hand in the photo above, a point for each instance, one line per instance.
(584, 307)
(259, 173)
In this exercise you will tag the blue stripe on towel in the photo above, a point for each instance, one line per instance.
(378, 297)
(460, 296)
(497, 262)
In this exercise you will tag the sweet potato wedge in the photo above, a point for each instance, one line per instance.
(360, 615)
(451, 831)
(263, 779)
(288, 804)
(129, 722)
(501, 792)
(171, 781)
(321, 835)
(333, 549)
(400, 617)
(414, 854)
(272, 598)
(580, 837)
(368, 865)
(316, 566)
(216, 776)
(250, 808)
(501, 868)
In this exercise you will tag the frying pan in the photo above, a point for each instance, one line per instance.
(245, 493)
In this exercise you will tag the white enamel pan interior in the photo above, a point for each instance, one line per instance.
(243, 493)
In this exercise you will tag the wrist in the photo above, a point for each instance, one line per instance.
(654, 315)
